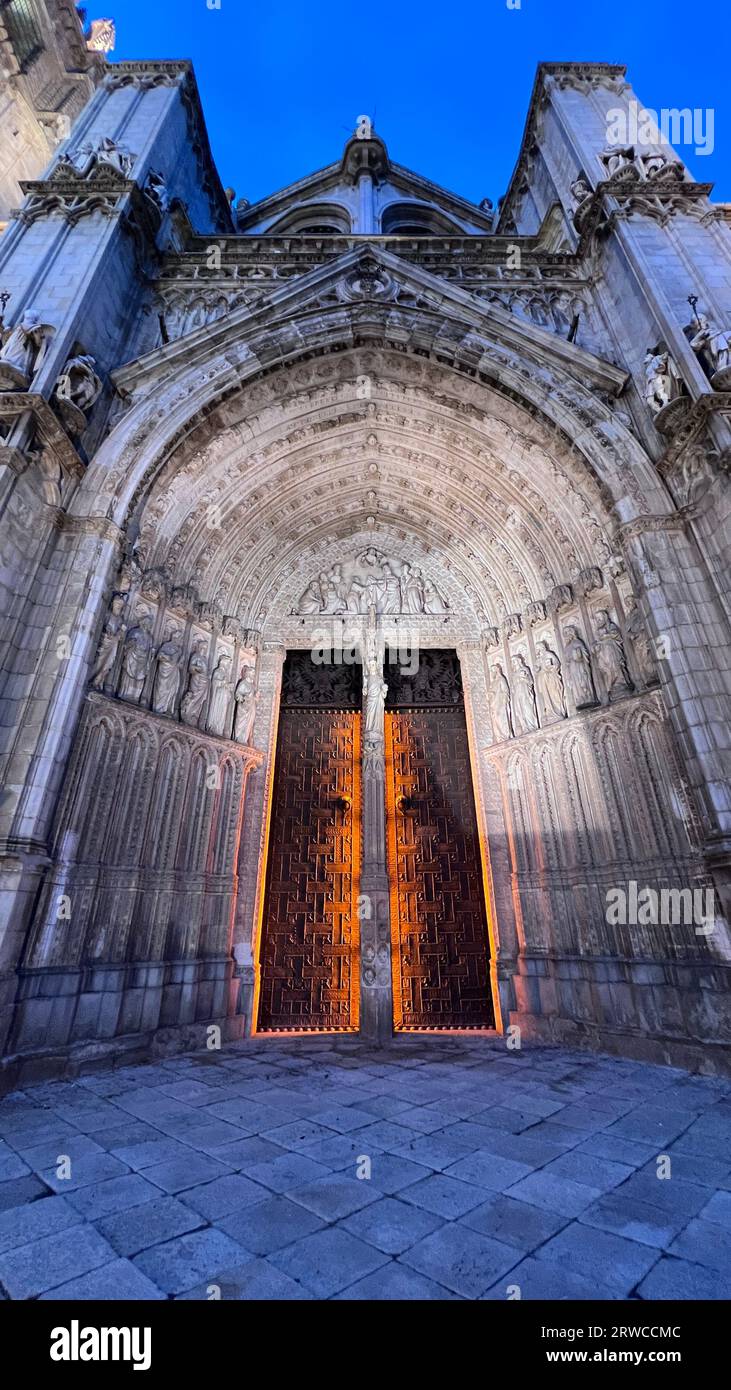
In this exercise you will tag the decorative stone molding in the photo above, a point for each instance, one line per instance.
(559, 598)
(535, 612)
(589, 580)
(512, 626)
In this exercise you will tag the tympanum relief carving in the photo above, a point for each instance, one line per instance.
(374, 581)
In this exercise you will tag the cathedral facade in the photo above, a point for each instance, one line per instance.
(365, 624)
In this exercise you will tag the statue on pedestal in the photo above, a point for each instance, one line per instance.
(524, 700)
(550, 683)
(77, 388)
(196, 693)
(610, 655)
(500, 704)
(114, 630)
(580, 674)
(22, 351)
(245, 697)
(167, 675)
(641, 645)
(219, 706)
(136, 660)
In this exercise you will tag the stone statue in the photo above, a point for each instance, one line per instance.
(610, 655)
(311, 599)
(157, 191)
(114, 630)
(77, 388)
(712, 346)
(196, 693)
(22, 351)
(641, 645)
(412, 590)
(245, 697)
(582, 194)
(104, 150)
(331, 589)
(376, 691)
(357, 596)
(663, 382)
(167, 675)
(391, 590)
(219, 707)
(433, 601)
(500, 704)
(524, 697)
(616, 159)
(136, 659)
(550, 683)
(389, 587)
(580, 190)
(581, 678)
(107, 151)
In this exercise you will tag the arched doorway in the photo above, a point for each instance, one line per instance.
(460, 449)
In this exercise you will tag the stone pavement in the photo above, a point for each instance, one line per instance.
(248, 1170)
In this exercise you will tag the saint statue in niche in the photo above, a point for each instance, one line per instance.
(196, 694)
(581, 678)
(500, 705)
(167, 675)
(114, 630)
(220, 703)
(550, 683)
(136, 660)
(610, 655)
(524, 701)
(245, 698)
(641, 644)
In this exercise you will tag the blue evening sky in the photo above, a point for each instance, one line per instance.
(282, 83)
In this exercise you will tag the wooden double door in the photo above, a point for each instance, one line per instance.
(309, 952)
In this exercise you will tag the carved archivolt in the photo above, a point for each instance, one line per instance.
(306, 455)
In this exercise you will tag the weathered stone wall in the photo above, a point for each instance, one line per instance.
(575, 813)
(132, 931)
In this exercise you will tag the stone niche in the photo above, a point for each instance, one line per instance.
(131, 943)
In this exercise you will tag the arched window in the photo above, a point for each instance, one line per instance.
(326, 219)
(412, 219)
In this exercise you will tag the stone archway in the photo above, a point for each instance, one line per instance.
(476, 450)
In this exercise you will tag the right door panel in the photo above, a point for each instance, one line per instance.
(438, 915)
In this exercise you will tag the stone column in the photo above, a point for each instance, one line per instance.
(376, 988)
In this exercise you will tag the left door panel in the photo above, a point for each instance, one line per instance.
(309, 952)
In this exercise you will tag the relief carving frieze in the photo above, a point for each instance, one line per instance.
(371, 580)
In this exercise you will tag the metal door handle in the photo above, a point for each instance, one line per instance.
(343, 804)
(404, 804)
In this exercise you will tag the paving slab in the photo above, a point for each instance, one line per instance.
(329, 1261)
(139, 1228)
(242, 1175)
(270, 1225)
